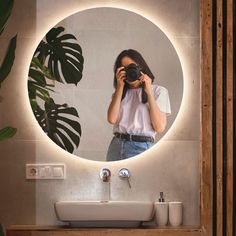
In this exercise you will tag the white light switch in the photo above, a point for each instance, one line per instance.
(45, 171)
(57, 172)
(42, 172)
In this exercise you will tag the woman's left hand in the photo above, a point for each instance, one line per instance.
(147, 81)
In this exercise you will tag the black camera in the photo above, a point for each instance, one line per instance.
(132, 72)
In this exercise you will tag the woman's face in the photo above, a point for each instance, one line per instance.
(125, 61)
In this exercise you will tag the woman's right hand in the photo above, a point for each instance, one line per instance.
(120, 76)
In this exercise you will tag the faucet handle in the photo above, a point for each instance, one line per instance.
(125, 173)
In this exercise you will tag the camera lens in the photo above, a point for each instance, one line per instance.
(132, 72)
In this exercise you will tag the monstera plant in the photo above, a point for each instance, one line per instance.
(6, 65)
(57, 59)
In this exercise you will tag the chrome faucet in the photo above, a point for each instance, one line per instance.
(105, 174)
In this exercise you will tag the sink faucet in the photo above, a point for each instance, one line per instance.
(105, 174)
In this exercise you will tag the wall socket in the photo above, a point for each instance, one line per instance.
(45, 171)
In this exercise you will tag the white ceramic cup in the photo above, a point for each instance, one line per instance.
(175, 213)
(161, 213)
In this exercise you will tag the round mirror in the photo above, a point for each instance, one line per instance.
(71, 76)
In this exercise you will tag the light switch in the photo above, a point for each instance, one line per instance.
(57, 172)
(48, 170)
(42, 172)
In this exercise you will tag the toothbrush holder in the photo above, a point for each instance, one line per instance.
(175, 213)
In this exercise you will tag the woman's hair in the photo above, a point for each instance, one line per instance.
(139, 60)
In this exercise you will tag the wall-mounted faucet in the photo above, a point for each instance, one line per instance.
(124, 173)
(105, 174)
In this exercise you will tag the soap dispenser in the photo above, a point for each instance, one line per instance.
(161, 211)
(161, 198)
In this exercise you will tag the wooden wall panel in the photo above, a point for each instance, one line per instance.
(229, 109)
(219, 118)
(206, 117)
(219, 60)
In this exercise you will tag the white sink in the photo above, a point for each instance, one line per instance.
(104, 214)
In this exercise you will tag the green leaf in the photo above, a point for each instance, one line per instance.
(5, 11)
(33, 104)
(65, 37)
(53, 33)
(7, 133)
(60, 122)
(58, 59)
(38, 76)
(39, 66)
(37, 84)
(59, 54)
(5, 68)
(8, 60)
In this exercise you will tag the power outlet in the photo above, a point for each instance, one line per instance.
(45, 171)
(32, 172)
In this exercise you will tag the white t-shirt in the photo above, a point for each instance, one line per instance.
(134, 117)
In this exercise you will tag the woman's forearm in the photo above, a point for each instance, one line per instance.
(158, 118)
(114, 108)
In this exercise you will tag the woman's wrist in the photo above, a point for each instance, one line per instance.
(150, 94)
(120, 87)
(118, 93)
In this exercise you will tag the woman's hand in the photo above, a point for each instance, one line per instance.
(120, 76)
(147, 81)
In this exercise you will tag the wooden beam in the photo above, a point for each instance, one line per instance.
(229, 183)
(206, 117)
(219, 119)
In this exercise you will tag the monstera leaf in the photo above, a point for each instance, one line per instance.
(59, 127)
(62, 57)
(56, 59)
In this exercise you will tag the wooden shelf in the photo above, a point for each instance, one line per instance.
(37, 230)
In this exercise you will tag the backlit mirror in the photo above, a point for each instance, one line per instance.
(78, 57)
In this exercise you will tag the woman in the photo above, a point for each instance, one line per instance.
(138, 108)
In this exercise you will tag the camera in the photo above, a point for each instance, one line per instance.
(132, 72)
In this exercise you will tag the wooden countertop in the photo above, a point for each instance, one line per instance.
(41, 230)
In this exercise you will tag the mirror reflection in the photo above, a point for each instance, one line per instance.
(81, 65)
(138, 108)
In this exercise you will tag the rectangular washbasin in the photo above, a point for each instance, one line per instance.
(104, 214)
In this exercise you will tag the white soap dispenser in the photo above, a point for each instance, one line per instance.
(161, 211)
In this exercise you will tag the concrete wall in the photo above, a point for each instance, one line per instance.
(171, 166)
